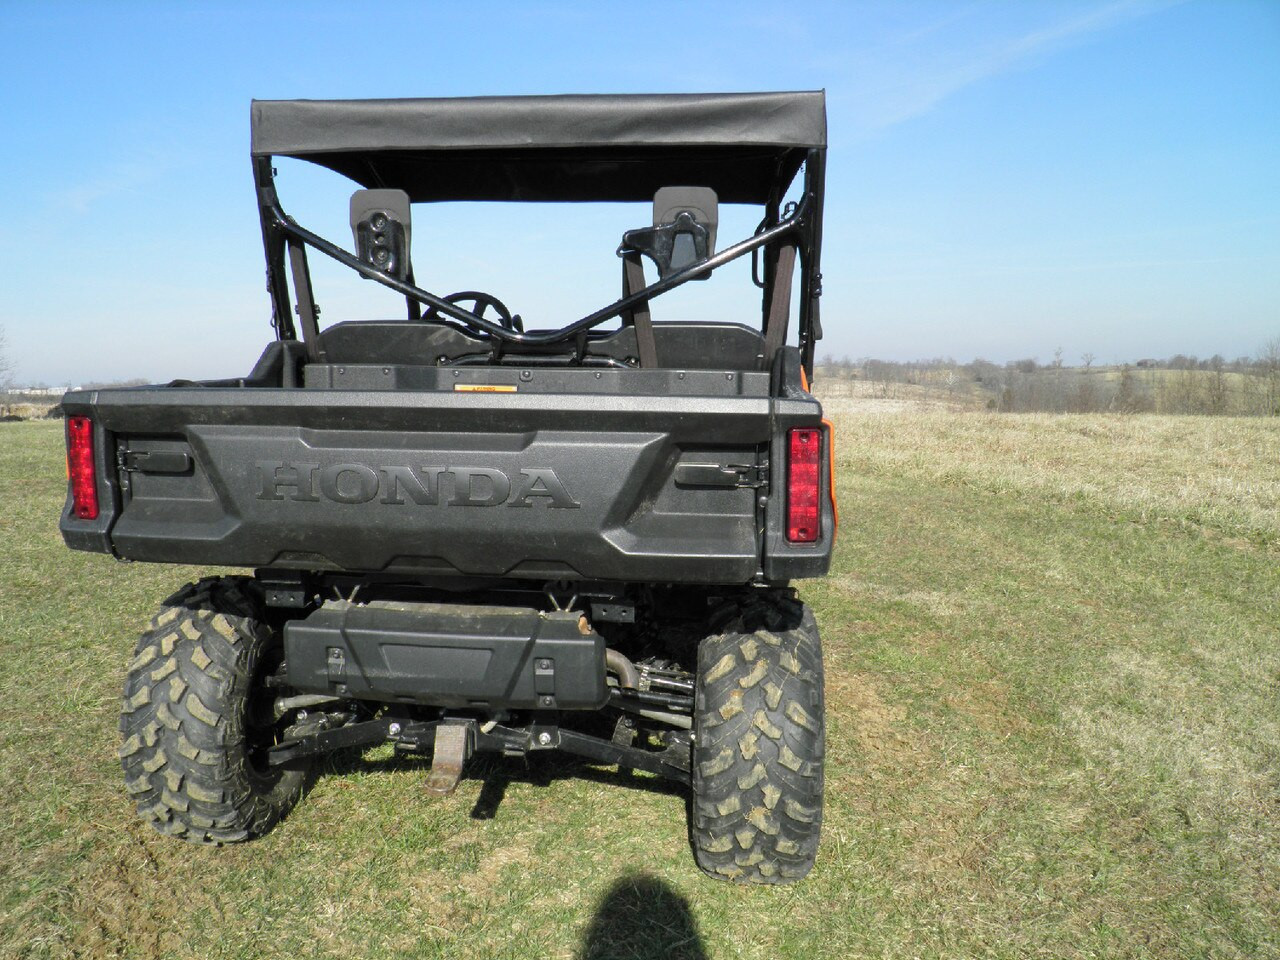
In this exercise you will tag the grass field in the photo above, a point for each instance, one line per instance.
(1057, 390)
(1053, 655)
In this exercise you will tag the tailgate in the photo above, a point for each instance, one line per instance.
(656, 488)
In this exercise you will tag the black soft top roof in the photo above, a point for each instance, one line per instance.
(573, 147)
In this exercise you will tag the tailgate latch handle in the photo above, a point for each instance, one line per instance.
(156, 461)
(717, 475)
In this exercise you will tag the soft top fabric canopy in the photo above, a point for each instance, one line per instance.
(575, 147)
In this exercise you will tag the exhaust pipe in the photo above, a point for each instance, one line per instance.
(628, 675)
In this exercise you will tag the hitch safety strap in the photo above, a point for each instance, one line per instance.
(638, 316)
(306, 306)
(775, 330)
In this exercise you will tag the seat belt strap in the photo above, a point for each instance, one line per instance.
(306, 305)
(639, 316)
(775, 330)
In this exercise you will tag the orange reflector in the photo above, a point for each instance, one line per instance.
(81, 468)
(831, 474)
(804, 516)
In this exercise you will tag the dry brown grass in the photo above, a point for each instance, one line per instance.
(1220, 475)
(847, 395)
(27, 411)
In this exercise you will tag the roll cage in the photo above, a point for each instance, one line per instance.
(747, 147)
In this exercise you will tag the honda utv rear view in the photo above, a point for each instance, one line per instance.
(464, 530)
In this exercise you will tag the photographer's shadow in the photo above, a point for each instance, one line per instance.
(642, 916)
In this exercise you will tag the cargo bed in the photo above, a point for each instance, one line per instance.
(626, 475)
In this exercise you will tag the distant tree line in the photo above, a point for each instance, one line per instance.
(1181, 384)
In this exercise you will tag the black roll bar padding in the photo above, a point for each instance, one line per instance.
(790, 225)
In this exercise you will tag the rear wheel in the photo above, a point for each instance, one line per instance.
(759, 745)
(197, 718)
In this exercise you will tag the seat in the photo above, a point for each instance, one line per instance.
(683, 234)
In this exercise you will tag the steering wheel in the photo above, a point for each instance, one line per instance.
(480, 303)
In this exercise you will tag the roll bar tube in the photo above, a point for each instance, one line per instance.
(285, 225)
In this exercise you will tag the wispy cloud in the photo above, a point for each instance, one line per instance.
(926, 80)
(120, 178)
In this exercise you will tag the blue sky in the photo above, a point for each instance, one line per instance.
(1004, 178)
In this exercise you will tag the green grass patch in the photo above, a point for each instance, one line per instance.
(1052, 677)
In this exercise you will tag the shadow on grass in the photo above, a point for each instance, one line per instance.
(642, 916)
(496, 773)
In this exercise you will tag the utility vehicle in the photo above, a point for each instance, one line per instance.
(467, 532)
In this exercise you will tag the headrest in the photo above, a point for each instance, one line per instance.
(701, 203)
(380, 223)
(683, 231)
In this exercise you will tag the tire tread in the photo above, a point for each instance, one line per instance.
(760, 744)
(181, 726)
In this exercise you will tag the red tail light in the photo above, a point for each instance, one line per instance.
(804, 479)
(81, 469)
